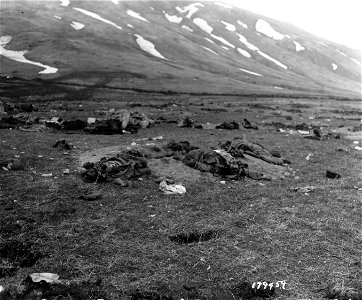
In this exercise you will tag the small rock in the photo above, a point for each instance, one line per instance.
(275, 153)
(47, 175)
(223, 182)
(157, 138)
(333, 175)
(91, 197)
(81, 170)
(66, 171)
(122, 183)
(144, 124)
(62, 144)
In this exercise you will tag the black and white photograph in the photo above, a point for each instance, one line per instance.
(180, 150)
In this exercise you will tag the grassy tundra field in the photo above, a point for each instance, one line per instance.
(123, 245)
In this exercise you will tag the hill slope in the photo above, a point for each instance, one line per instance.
(196, 47)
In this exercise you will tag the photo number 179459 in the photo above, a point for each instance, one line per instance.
(279, 284)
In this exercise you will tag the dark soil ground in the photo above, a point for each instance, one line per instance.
(211, 243)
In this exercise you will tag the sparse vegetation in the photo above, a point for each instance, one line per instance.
(136, 243)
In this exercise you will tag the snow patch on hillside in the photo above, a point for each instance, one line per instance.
(130, 26)
(250, 72)
(334, 66)
(187, 28)
(64, 2)
(190, 9)
(57, 17)
(6, 39)
(356, 61)
(77, 25)
(278, 88)
(19, 56)
(222, 40)
(172, 19)
(207, 28)
(147, 46)
(208, 49)
(211, 41)
(96, 16)
(264, 27)
(224, 47)
(136, 15)
(278, 63)
(244, 52)
(223, 4)
(298, 47)
(115, 1)
(344, 54)
(203, 25)
(246, 43)
(242, 24)
(229, 26)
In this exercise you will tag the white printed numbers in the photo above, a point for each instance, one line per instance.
(280, 283)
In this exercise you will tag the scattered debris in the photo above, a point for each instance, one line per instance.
(333, 175)
(18, 120)
(62, 144)
(12, 164)
(233, 160)
(357, 128)
(125, 166)
(47, 277)
(303, 132)
(305, 189)
(308, 156)
(172, 189)
(115, 122)
(186, 122)
(47, 175)
(247, 125)
(91, 121)
(25, 107)
(156, 138)
(228, 125)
